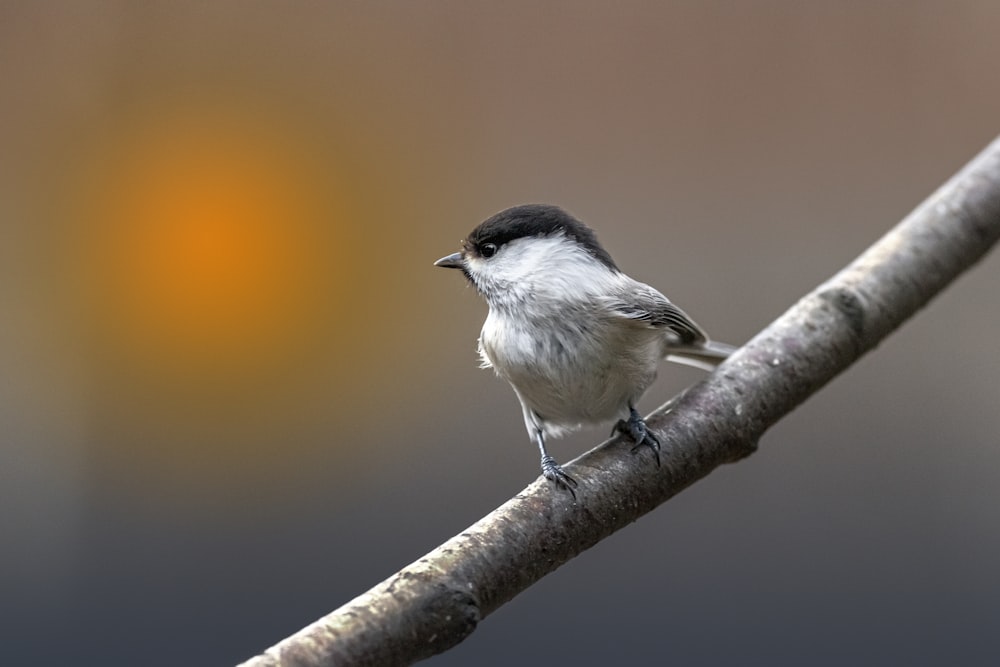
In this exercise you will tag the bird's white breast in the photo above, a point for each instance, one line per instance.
(570, 362)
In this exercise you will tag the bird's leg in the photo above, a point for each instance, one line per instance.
(635, 427)
(552, 470)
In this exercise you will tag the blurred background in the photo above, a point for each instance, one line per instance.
(234, 392)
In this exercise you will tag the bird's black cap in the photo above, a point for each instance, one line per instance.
(536, 220)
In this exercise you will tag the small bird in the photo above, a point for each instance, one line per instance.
(578, 340)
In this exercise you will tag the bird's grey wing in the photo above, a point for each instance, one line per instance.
(644, 305)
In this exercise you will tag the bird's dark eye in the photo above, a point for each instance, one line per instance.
(487, 250)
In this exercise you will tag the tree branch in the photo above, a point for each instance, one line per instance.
(436, 602)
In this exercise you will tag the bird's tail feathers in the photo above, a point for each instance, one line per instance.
(705, 356)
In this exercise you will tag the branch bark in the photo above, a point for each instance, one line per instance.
(436, 602)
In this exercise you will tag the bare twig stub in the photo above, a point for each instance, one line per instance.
(433, 604)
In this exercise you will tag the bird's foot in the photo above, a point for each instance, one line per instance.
(635, 427)
(554, 472)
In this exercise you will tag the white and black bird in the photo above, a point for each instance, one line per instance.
(577, 339)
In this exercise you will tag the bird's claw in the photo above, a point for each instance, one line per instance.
(554, 472)
(635, 427)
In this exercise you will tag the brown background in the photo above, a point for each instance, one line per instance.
(234, 392)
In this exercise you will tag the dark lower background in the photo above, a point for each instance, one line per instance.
(234, 393)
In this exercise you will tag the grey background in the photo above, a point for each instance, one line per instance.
(731, 154)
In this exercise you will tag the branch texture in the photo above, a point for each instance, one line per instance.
(434, 603)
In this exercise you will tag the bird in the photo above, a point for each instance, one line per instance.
(578, 340)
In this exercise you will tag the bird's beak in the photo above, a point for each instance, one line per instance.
(452, 261)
